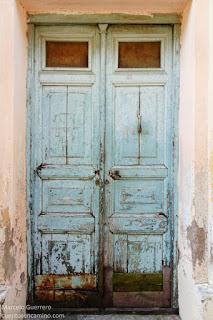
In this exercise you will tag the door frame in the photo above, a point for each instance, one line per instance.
(52, 19)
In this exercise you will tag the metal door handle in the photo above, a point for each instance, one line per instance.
(162, 214)
(139, 124)
(98, 180)
(115, 175)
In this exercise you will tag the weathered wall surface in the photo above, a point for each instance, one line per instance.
(194, 210)
(210, 143)
(13, 60)
(196, 144)
(104, 6)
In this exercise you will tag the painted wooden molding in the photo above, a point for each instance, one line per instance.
(104, 18)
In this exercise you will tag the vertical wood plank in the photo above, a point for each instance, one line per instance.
(175, 99)
(120, 253)
(102, 225)
(30, 108)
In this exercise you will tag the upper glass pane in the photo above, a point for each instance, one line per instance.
(66, 54)
(139, 54)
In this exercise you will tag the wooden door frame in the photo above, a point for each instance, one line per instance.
(60, 19)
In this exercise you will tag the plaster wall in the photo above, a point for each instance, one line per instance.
(13, 59)
(210, 143)
(195, 273)
(195, 291)
(104, 6)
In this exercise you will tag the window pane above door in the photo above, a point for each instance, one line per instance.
(66, 54)
(139, 54)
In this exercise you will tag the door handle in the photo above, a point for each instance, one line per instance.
(162, 214)
(139, 124)
(114, 174)
(98, 180)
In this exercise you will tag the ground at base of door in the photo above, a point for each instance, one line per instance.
(118, 317)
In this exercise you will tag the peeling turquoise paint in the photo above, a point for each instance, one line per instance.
(101, 188)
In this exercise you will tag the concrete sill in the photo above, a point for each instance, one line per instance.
(206, 291)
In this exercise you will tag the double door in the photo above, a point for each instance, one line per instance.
(102, 166)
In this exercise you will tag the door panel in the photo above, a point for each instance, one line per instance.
(126, 143)
(140, 196)
(66, 157)
(138, 164)
(139, 109)
(64, 196)
(65, 254)
(79, 130)
(153, 125)
(54, 124)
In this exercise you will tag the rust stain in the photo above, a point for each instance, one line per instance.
(59, 295)
(64, 288)
(73, 295)
(66, 282)
(45, 295)
(197, 238)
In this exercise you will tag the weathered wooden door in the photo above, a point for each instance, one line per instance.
(102, 166)
(138, 165)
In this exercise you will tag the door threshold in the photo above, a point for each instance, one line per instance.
(103, 311)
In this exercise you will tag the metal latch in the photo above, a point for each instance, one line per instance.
(98, 180)
(139, 124)
(114, 174)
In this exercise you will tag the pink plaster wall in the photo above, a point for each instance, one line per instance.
(193, 277)
(13, 66)
(104, 6)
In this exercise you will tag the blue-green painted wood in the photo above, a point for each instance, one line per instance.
(30, 184)
(102, 189)
(175, 159)
(65, 152)
(139, 215)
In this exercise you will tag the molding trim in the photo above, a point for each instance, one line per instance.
(112, 18)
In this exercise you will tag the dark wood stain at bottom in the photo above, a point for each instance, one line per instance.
(68, 293)
(136, 282)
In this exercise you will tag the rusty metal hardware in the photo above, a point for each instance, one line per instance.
(163, 214)
(115, 175)
(139, 124)
(39, 168)
(98, 181)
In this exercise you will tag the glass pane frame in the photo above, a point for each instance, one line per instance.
(69, 54)
(139, 38)
(62, 38)
(139, 55)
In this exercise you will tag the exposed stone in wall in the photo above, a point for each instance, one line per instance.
(197, 238)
